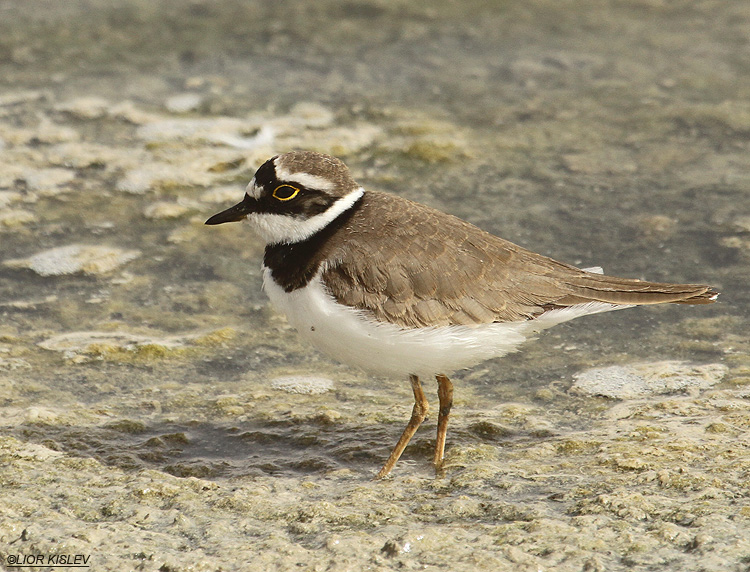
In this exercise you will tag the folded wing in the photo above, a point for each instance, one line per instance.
(427, 268)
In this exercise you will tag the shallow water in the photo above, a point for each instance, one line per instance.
(151, 437)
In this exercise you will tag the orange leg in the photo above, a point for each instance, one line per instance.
(418, 414)
(445, 394)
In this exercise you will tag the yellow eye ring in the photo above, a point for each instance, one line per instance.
(285, 192)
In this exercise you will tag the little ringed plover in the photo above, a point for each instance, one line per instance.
(398, 288)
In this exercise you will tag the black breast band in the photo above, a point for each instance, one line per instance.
(294, 264)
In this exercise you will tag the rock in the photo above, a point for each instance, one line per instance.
(12, 98)
(164, 209)
(8, 197)
(12, 363)
(49, 132)
(190, 167)
(15, 217)
(83, 155)
(310, 114)
(657, 227)
(84, 342)
(48, 181)
(302, 384)
(138, 181)
(600, 161)
(201, 130)
(75, 258)
(334, 140)
(128, 111)
(183, 102)
(742, 223)
(639, 380)
(225, 194)
(84, 107)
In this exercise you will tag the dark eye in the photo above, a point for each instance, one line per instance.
(285, 192)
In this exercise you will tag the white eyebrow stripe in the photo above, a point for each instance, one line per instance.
(305, 179)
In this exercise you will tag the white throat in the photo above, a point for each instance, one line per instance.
(275, 229)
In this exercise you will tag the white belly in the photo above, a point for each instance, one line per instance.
(352, 338)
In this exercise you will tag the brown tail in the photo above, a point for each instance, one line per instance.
(627, 291)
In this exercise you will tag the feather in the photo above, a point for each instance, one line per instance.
(414, 276)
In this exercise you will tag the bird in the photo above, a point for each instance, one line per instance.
(397, 288)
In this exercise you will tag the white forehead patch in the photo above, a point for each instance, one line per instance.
(277, 228)
(252, 190)
(304, 179)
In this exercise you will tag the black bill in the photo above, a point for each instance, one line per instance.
(235, 213)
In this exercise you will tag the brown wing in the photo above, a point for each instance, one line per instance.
(425, 268)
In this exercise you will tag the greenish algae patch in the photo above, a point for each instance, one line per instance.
(216, 337)
(130, 426)
(431, 151)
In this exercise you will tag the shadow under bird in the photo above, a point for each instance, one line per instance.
(397, 288)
